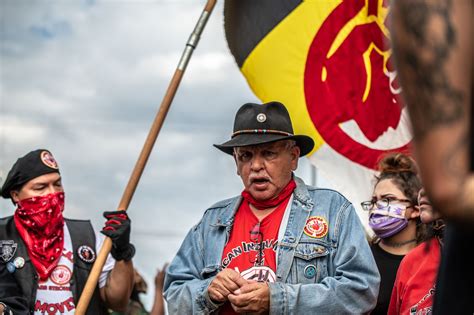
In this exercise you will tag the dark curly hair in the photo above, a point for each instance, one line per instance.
(403, 171)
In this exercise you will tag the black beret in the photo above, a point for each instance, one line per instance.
(32, 165)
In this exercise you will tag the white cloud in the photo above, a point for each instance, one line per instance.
(14, 132)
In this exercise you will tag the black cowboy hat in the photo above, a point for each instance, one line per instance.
(258, 124)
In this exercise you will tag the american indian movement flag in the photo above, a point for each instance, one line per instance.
(330, 63)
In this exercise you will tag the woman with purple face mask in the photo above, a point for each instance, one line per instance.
(394, 219)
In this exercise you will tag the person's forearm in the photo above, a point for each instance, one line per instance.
(118, 289)
(446, 177)
(432, 43)
(158, 305)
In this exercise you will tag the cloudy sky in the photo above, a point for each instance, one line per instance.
(84, 79)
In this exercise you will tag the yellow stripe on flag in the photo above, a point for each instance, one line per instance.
(275, 68)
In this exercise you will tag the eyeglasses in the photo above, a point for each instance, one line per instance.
(381, 203)
(257, 238)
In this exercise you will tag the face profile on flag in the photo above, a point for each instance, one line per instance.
(330, 62)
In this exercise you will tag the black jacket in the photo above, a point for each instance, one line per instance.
(18, 289)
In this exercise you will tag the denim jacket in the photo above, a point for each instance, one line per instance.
(345, 281)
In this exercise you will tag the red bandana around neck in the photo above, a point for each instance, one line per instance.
(40, 222)
(265, 204)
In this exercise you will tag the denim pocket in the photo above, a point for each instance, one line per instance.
(310, 263)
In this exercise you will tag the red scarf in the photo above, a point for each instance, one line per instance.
(265, 204)
(40, 222)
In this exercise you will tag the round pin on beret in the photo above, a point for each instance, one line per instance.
(48, 159)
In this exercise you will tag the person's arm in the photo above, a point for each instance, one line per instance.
(158, 304)
(432, 43)
(353, 287)
(187, 279)
(118, 288)
(117, 291)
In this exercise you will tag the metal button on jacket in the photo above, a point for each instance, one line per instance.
(310, 271)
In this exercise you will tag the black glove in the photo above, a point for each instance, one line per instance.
(117, 227)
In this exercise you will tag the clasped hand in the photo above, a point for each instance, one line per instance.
(244, 296)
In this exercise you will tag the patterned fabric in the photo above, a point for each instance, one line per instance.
(40, 223)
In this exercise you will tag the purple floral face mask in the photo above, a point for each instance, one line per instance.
(388, 221)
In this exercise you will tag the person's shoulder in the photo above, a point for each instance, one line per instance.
(330, 195)
(6, 226)
(330, 192)
(79, 223)
(223, 203)
(221, 210)
(6, 220)
(77, 220)
(315, 193)
(412, 259)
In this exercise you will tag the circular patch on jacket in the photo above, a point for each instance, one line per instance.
(86, 254)
(309, 271)
(48, 159)
(61, 275)
(316, 227)
(19, 262)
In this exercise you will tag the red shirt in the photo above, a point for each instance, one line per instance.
(414, 286)
(251, 249)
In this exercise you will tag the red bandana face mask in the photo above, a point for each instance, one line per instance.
(261, 205)
(40, 222)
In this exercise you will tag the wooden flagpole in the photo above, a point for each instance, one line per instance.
(193, 40)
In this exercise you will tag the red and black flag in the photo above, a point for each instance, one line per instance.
(330, 63)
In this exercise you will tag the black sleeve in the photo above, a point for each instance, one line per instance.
(10, 292)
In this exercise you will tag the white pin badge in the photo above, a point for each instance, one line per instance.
(19, 262)
(261, 117)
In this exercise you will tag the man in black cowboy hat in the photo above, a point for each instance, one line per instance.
(280, 247)
(47, 259)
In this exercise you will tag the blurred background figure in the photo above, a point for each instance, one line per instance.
(433, 48)
(159, 302)
(428, 215)
(394, 218)
(135, 306)
(414, 287)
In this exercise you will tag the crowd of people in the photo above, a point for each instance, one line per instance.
(282, 246)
